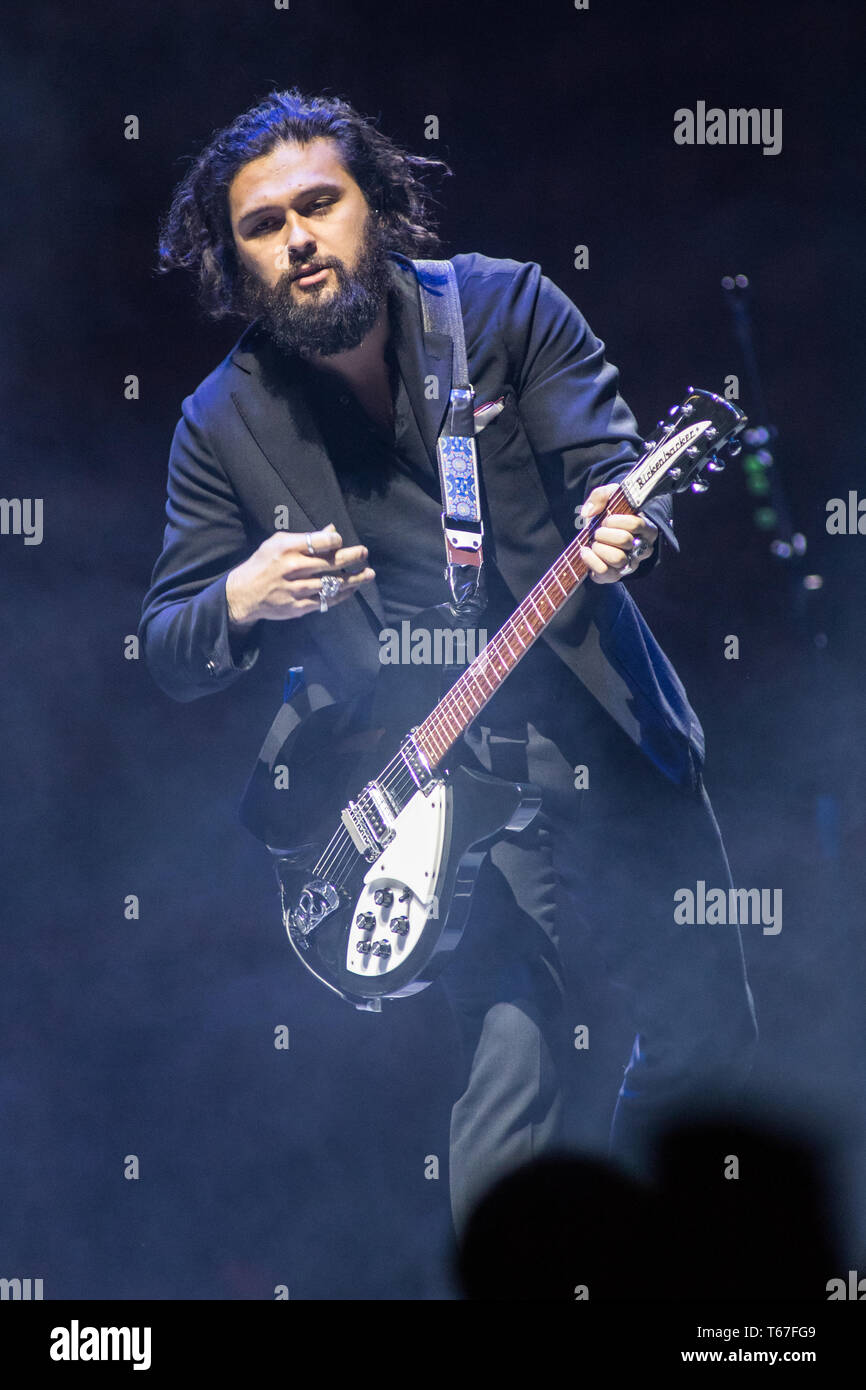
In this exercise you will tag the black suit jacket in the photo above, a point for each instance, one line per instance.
(247, 445)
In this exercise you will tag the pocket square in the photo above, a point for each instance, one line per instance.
(487, 412)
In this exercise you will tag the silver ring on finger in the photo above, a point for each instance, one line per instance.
(308, 538)
(329, 588)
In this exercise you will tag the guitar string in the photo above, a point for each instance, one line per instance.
(341, 843)
(325, 862)
(451, 703)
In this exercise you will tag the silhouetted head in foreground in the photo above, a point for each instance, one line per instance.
(560, 1228)
(736, 1211)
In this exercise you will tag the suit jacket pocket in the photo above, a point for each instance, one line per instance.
(500, 430)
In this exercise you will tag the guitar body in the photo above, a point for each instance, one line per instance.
(374, 924)
(395, 921)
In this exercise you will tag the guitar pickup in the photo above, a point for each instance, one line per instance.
(417, 765)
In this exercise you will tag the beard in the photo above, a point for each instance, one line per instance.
(324, 321)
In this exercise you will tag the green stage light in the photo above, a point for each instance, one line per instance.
(758, 483)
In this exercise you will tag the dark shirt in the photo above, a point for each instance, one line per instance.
(391, 488)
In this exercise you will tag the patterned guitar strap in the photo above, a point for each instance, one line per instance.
(462, 526)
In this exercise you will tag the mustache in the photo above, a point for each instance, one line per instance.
(258, 295)
(304, 268)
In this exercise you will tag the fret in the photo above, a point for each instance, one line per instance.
(568, 562)
(452, 721)
(431, 744)
(531, 600)
(441, 728)
(482, 677)
(556, 577)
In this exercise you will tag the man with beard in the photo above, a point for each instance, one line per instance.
(302, 218)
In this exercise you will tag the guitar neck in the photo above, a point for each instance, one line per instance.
(481, 680)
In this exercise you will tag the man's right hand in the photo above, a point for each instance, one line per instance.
(282, 579)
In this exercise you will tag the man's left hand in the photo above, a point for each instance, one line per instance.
(612, 554)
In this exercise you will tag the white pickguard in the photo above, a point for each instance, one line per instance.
(413, 860)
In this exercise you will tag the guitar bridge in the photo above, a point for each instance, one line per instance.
(370, 821)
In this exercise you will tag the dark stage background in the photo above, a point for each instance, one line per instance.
(154, 1037)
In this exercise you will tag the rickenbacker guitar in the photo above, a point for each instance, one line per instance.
(376, 890)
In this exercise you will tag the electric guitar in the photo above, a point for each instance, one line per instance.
(376, 887)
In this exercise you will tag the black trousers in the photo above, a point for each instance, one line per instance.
(600, 863)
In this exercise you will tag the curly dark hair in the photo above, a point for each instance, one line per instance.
(196, 232)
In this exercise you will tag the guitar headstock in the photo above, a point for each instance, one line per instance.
(686, 448)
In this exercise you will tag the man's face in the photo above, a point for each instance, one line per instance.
(298, 208)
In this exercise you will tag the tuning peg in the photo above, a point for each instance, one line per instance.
(672, 412)
(699, 485)
(716, 464)
(693, 452)
(734, 447)
(675, 473)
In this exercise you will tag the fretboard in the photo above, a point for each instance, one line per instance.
(481, 680)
